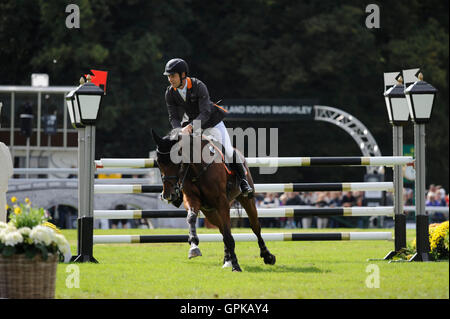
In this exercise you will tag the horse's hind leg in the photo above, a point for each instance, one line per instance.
(230, 245)
(226, 258)
(215, 219)
(221, 219)
(250, 208)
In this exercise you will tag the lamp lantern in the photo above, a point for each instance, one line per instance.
(420, 97)
(88, 98)
(396, 103)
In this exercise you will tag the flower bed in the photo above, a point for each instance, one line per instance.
(30, 248)
(439, 243)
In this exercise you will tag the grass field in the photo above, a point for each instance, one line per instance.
(304, 270)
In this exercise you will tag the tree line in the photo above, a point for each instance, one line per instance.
(246, 49)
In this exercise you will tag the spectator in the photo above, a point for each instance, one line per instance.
(259, 199)
(348, 200)
(270, 201)
(360, 202)
(431, 201)
(334, 201)
(360, 199)
(283, 199)
(431, 189)
(408, 195)
(434, 199)
(439, 199)
(322, 201)
(308, 199)
(293, 199)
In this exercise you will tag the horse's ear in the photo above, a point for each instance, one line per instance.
(156, 138)
(175, 134)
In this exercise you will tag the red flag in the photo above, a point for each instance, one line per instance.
(99, 78)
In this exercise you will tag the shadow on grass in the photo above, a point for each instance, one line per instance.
(284, 269)
(262, 268)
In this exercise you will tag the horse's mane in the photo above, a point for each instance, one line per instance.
(163, 150)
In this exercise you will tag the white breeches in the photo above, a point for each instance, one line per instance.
(220, 133)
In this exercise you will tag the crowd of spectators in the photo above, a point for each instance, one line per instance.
(436, 196)
(312, 199)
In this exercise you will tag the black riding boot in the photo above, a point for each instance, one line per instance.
(246, 189)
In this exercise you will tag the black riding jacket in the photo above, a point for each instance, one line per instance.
(198, 105)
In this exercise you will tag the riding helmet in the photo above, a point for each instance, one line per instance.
(176, 65)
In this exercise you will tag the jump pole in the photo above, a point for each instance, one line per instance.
(141, 239)
(259, 188)
(262, 212)
(274, 161)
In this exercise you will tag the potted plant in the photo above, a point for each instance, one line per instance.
(30, 249)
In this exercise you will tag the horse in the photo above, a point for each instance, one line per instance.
(209, 187)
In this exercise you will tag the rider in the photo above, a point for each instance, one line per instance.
(191, 96)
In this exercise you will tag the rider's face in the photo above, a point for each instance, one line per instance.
(174, 80)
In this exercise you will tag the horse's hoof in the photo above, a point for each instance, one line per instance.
(236, 269)
(194, 252)
(270, 259)
(227, 264)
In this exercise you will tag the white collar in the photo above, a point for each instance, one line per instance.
(183, 91)
(185, 87)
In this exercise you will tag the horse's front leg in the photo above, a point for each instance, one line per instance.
(193, 240)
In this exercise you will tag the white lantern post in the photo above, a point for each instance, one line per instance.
(84, 104)
(398, 113)
(420, 97)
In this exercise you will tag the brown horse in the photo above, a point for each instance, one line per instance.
(208, 187)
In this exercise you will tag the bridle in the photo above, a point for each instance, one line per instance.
(175, 181)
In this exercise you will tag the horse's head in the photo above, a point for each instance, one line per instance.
(170, 171)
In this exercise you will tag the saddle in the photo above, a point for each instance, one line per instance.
(214, 148)
(232, 180)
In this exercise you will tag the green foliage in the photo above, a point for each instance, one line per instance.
(29, 233)
(30, 250)
(27, 216)
(405, 253)
(7, 251)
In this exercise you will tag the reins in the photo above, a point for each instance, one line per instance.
(177, 178)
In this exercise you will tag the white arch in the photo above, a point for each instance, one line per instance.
(355, 128)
